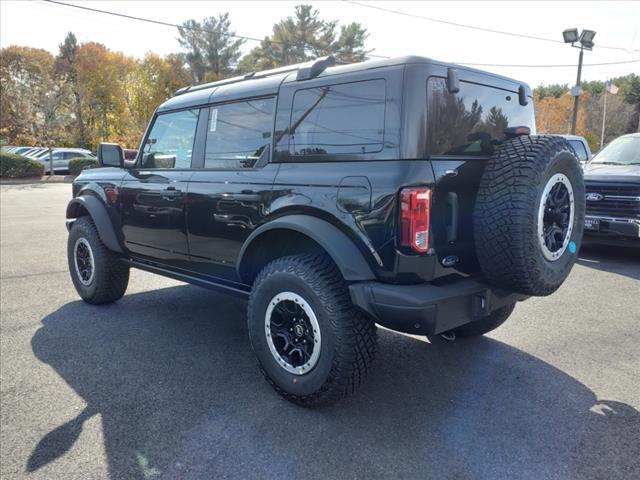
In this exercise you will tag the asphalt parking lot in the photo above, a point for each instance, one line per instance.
(163, 384)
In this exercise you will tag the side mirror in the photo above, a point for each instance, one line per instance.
(110, 155)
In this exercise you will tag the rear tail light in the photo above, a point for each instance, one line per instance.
(415, 206)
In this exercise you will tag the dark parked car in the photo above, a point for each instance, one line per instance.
(405, 192)
(612, 182)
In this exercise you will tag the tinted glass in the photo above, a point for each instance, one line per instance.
(580, 150)
(239, 134)
(471, 121)
(622, 151)
(170, 142)
(338, 120)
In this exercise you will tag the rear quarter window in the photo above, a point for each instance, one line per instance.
(465, 123)
(332, 121)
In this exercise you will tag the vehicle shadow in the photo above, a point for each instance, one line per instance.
(621, 260)
(172, 375)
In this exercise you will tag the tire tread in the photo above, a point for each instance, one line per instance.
(111, 275)
(355, 333)
(505, 219)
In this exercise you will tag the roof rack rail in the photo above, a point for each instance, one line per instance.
(306, 71)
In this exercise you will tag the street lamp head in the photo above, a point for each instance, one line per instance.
(570, 35)
(586, 38)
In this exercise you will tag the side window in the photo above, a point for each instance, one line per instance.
(337, 120)
(239, 134)
(170, 142)
(580, 150)
(70, 155)
(56, 156)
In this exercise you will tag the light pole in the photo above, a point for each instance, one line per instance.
(586, 42)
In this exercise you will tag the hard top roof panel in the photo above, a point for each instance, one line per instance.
(268, 82)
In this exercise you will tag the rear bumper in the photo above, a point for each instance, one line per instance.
(427, 309)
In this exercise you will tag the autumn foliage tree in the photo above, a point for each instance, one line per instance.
(23, 71)
(554, 109)
(153, 81)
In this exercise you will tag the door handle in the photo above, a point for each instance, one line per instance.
(170, 193)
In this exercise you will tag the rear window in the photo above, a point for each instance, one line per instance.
(338, 120)
(468, 122)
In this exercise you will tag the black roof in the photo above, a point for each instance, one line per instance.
(268, 82)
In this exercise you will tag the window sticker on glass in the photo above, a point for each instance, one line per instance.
(213, 122)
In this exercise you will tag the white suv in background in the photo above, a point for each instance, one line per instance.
(61, 157)
(581, 147)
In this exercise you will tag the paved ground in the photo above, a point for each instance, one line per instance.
(163, 384)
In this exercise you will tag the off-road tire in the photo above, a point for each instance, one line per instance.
(348, 337)
(506, 214)
(486, 324)
(111, 276)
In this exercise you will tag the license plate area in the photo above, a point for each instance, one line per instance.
(592, 224)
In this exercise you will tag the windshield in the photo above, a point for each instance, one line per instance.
(622, 151)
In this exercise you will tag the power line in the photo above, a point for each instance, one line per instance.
(546, 66)
(174, 25)
(475, 27)
(244, 37)
(148, 20)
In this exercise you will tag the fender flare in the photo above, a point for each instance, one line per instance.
(342, 250)
(98, 213)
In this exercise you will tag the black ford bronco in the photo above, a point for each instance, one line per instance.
(406, 192)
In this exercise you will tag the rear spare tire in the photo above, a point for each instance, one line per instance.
(529, 215)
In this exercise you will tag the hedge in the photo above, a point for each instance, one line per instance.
(76, 165)
(17, 166)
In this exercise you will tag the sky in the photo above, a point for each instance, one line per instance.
(44, 25)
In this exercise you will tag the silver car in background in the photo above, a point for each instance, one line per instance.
(61, 157)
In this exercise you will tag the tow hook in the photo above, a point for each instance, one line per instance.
(448, 336)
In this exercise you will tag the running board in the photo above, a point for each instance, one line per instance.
(184, 277)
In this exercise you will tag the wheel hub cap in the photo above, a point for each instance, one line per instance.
(292, 333)
(555, 217)
(83, 261)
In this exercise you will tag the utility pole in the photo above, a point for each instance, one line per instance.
(576, 99)
(50, 159)
(604, 115)
(585, 39)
